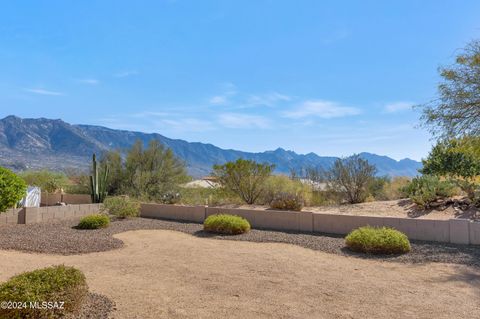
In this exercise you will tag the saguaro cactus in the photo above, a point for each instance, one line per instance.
(98, 184)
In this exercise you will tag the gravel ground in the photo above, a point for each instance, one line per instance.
(96, 307)
(62, 238)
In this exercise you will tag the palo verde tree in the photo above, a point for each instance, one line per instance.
(456, 111)
(153, 173)
(351, 177)
(246, 178)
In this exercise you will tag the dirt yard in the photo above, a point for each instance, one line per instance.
(391, 208)
(167, 274)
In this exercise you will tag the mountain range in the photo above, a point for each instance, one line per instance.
(54, 144)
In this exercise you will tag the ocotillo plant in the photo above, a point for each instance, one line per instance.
(98, 184)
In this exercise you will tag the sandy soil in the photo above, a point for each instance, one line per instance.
(391, 208)
(166, 274)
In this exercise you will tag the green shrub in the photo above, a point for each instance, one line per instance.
(426, 189)
(122, 206)
(53, 284)
(287, 201)
(226, 224)
(12, 189)
(208, 196)
(378, 240)
(279, 184)
(48, 181)
(94, 221)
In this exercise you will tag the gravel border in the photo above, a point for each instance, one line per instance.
(62, 238)
(96, 306)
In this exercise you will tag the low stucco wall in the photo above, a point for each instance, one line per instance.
(457, 231)
(12, 216)
(270, 219)
(31, 215)
(44, 214)
(48, 199)
(173, 212)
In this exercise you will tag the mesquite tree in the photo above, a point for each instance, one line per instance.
(246, 178)
(351, 177)
(456, 111)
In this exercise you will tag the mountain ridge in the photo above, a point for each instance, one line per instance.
(55, 144)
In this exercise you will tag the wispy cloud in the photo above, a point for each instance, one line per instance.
(269, 99)
(239, 120)
(398, 107)
(229, 90)
(124, 74)
(321, 109)
(218, 100)
(43, 92)
(89, 81)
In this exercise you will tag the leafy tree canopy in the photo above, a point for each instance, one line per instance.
(245, 178)
(456, 111)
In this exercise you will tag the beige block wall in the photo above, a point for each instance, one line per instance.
(72, 199)
(52, 213)
(270, 219)
(174, 212)
(12, 216)
(474, 231)
(48, 199)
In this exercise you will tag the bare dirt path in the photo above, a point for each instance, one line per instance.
(167, 274)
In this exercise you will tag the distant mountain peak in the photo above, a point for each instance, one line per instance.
(55, 144)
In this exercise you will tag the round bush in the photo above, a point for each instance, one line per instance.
(378, 240)
(12, 189)
(287, 201)
(53, 284)
(94, 221)
(226, 224)
(121, 206)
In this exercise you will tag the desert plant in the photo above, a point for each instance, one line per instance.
(98, 182)
(47, 180)
(455, 112)
(12, 189)
(351, 176)
(170, 198)
(226, 224)
(277, 184)
(121, 206)
(152, 172)
(244, 177)
(54, 285)
(94, 221)
(393, 189)
(378, 240)
(287, 201)
(208, 196)
(426, 189)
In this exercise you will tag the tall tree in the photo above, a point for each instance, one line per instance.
(351, 177)
(246, 178)
(456, 112)
(154, 172)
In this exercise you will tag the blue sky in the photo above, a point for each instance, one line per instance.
(330, 77)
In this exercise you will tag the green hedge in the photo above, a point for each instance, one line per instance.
(378, 240)
(53, 284)
(94, 221)
(226, 224)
